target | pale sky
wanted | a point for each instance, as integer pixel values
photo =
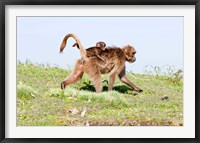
(157, 40)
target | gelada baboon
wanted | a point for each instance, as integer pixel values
(115, 58)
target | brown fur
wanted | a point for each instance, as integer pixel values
(95, 50)
(115, 59)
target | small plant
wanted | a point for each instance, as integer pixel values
(176, 77)
(169, 70)
(155, 70)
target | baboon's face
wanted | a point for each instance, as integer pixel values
(102, 45)
(130, 54)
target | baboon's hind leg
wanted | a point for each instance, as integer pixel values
(75, 76)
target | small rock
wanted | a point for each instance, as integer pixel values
(165, 98)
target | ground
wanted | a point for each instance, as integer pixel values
(41, 102)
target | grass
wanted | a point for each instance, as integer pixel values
(41, 102)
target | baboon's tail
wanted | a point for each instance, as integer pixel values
(63, 44)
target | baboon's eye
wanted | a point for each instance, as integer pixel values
(132, 54)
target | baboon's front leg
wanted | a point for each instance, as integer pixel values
(97, 83)
(125, 80)
(112, 78)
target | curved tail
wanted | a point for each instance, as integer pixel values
(63, 44)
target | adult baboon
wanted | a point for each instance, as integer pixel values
(115, 57)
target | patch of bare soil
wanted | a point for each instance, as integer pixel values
(132, 123)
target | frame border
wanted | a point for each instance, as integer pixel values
(3, 4)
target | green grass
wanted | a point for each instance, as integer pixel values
(41, 102)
